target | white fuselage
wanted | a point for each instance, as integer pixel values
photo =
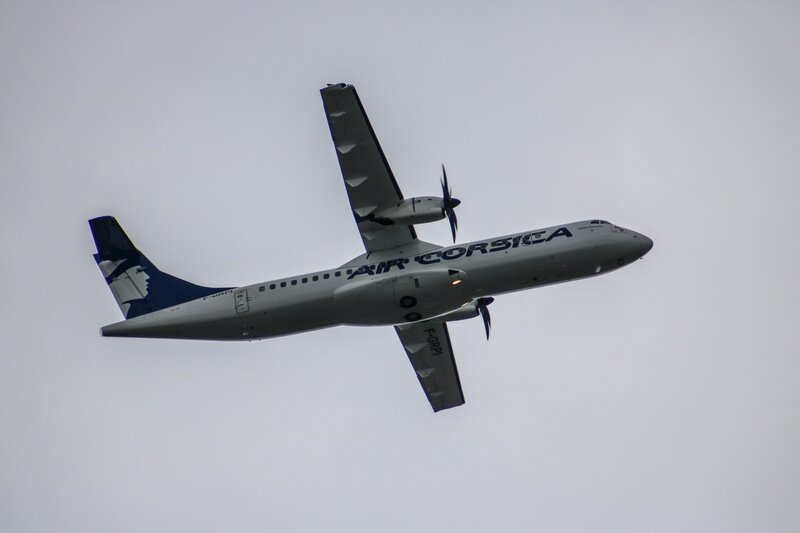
(396, 286)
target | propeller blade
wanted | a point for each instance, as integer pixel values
(449, 204)
(483, 309)
(451, 217)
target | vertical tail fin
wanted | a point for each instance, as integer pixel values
(138, 286)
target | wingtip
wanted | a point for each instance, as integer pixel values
(101, 218)
(333, 87)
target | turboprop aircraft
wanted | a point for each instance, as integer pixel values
(400, 281)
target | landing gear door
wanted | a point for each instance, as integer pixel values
(405, 291)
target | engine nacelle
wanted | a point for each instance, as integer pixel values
(465, 312)
(417, 210)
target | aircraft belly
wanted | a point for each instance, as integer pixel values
(410, 296)
(279, 320)
(228, 318)
(514, 272)
(204, 318)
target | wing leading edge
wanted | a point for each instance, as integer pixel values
(428, 347)
(368, 178)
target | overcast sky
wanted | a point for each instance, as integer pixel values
(662, 397)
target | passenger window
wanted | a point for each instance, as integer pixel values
(283, 283)
(338, 274)
(349, 271)
(305, 280)
(294, 282)
(315, 278)
(271, 286)
(326, 276)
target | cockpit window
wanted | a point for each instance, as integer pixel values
(598, 222)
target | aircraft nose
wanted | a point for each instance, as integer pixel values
(645, 244)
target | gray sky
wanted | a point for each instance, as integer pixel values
(662, 397)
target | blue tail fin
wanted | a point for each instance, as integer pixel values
(138, 286)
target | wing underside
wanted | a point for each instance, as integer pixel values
(368, 178)
(371, 187)
(428, 347)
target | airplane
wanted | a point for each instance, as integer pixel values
(401, 281)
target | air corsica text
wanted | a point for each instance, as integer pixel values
(458, 252)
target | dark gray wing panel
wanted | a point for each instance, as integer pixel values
(428, 347)
(367, 176)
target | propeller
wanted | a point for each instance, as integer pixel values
(449, 204)
(483, 310)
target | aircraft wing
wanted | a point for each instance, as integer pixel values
(428, 347)
(368, 179)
